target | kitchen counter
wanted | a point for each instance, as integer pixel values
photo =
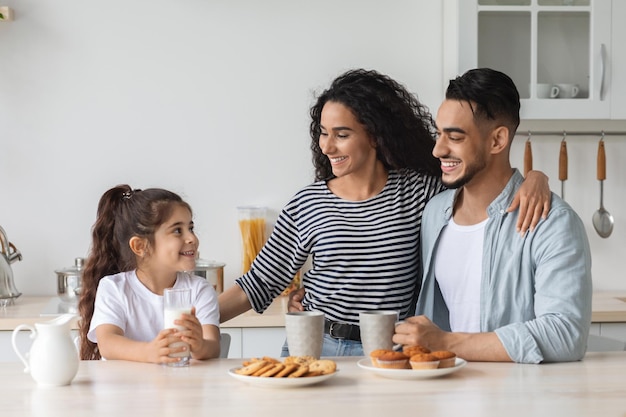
(607, 307)
(30, 310)
(594, 386)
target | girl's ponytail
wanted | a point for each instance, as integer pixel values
(103, 260)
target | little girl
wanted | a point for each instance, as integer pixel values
(141, 242)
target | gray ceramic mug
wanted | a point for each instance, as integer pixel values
(377, 329)
(305, 333)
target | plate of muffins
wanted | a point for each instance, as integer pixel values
(413, 362)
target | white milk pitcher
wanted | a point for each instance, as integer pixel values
(53, 358)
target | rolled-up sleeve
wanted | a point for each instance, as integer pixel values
(562, 294)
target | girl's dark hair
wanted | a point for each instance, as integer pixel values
(492, 96)
(122, 214)
(401, 126)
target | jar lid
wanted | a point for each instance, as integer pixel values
(203, 263)
(73, 270)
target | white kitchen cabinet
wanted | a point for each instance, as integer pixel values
(618, 78)
(614, 331)
(255, 342)
(23, 341)
(543, 44)
(236, 341)
(244, 343)
(263, 341)
(7, 354)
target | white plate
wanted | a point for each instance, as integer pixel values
(411, 373)
(280, 382)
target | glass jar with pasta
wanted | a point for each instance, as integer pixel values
(252, 223)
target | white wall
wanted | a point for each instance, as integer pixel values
(582, 189)
(208, 98)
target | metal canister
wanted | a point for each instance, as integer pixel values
(69, 281)
(212, 271)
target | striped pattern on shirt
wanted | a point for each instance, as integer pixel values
(365, 254)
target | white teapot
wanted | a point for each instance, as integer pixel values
(53, 357)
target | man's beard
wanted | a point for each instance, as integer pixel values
(470, 173)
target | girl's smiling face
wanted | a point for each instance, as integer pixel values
(175, 243)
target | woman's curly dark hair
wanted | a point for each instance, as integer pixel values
(402, 127)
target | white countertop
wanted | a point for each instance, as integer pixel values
(607, 307)
(30, 310)
(594, 386)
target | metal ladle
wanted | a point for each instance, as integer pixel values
(602, 219)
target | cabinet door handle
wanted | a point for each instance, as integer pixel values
(602, 70)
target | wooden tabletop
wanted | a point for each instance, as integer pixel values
(594, 386)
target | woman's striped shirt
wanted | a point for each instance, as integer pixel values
(365, 254)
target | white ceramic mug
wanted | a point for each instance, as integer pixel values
(568, 90)
(177, 301)
(547, 91)
(305, 333)
(377, 329)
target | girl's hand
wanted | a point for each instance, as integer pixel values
(158, 349)
(533, 199)
(193, 331)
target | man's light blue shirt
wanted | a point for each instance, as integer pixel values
(535, 290)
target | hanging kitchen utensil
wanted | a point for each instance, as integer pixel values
(602, 219)
(528, 157)
(563, 166)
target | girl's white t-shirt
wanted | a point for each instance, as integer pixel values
(122, 300)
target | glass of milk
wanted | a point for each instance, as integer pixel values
(177, 301)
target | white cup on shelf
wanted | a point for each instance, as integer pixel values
(545, 90)
(568, 90)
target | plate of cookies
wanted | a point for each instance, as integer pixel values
(413, 362)
(293, 371)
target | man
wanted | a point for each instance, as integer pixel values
(488, 295)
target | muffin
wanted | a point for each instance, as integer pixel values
(446, 358)
(410, 350)
(375, 354)
(424, 361)
(392, 360)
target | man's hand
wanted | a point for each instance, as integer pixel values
(419, 330)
